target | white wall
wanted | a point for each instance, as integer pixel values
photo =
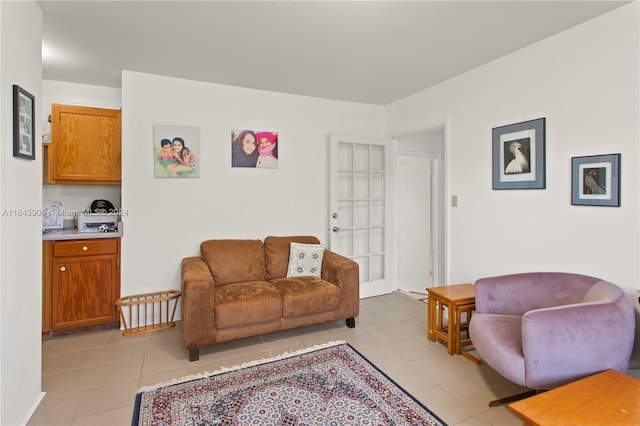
(169, 218)
(62, 92)
(20, 236)
(585, 82)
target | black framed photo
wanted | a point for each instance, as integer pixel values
(519, 155)
(595, 180)
(23, 124)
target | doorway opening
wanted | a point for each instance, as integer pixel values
(420, 212)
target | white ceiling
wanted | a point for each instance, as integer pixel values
(364, 51)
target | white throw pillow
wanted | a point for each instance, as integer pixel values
(305, 260)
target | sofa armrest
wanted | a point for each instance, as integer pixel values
(198, 291)
(566, 342)
(344, 273)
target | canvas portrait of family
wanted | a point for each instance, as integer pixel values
(175, 151)
(254, 148)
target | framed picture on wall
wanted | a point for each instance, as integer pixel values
(519, 155)
(175, 151)
(254, 148)
(23, 124)
(595, 180)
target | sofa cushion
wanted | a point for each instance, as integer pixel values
(307, 295)
(276, 252)
(305, 260)
(248, 303)
(234, 261)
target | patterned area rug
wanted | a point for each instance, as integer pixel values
(329, 384)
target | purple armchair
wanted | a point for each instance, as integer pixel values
(541, 330)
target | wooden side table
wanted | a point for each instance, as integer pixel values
(607, 398)
(457, 299)
(460, 326)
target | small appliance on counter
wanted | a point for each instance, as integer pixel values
(96, 222)
(101, 217)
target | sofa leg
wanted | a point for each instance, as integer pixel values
(351, 322)
(194, 354)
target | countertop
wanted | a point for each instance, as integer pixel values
(74, 234)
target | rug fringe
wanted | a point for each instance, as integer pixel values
(283, 355)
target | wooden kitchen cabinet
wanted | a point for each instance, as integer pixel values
(85, 146)
(81, 282)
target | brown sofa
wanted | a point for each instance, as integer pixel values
(238, 288)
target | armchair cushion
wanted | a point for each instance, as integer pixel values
(502, 345)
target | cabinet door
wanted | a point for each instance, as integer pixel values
(85, 146)
(84, 290)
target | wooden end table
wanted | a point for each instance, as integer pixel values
(457, 299)
(607, 398)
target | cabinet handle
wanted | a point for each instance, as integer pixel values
(62, 268)
(85, 248)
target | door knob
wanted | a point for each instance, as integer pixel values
(62, 268)
(335, 229)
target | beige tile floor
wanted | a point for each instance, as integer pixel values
(92, 379)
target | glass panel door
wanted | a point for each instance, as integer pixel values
(359, 216)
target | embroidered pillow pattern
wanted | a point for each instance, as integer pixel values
(305, 260)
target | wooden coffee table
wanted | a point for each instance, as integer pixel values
(457, 299)
(607, 398)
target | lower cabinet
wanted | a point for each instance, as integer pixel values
(81, 282)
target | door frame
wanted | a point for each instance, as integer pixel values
(441, 274)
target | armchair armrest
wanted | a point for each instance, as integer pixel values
(344, 273)
(565, 342)
(198, 290)
(516, 294)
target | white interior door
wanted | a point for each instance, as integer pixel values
(417, 154)
(414, 200)
(359, 202)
